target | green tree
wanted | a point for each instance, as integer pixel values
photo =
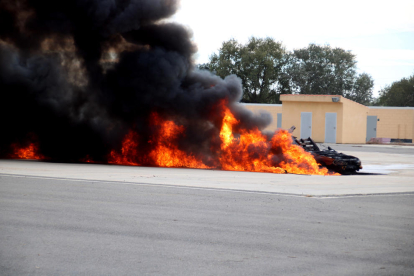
(328, 71)
(362, 89)
(259, 64)
(399, 93)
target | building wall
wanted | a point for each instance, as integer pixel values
(351, 121)
(273, 109)
(394, 122)
(309, 98)
(292, 116)
(354, 122)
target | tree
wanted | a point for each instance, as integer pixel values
(268, 70)
(361, 91)
(328, 71)
(399, 93)
(259, 64)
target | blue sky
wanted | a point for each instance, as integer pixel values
(379, 33)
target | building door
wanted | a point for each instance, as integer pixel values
(371, 127)
(279, 120)
(330, 127)
(305, 125)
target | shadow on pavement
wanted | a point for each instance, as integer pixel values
(368, 173)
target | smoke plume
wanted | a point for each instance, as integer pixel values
(77, 75)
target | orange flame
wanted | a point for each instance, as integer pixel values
(166, 152)
(252, 152)
(29, 152)
(249, 151)
(297, 160)
(244, 153)
(87, 159)
(129, 151)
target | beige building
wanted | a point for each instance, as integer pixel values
(395, 123)
(274, 109)
(335, 119)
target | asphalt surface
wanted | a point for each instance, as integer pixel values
(72, 227)
(90, 219)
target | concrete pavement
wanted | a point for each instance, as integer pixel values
(382, 173)
(80, 227)
(86, 219)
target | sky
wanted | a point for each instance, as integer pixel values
(380, 33)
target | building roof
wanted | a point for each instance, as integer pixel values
(316, 98)
(390, 107)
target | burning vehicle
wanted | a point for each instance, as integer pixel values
(113, 82)
(329, 158)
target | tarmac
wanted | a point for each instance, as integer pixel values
(382, 173)
(90, 219)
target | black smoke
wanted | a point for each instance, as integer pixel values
(77, 75)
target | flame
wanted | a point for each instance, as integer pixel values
(88, 159)
(129, 151)
(235, 148)
(29, 152)
(164, 148)
(296, 159)
(249, 151)
(166, 152)
(252, 152)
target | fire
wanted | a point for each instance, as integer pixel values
(297, 160)
(252, 152)
(249, 150)
(129, 151)
(166, 152)
(237, 149)
(247, 153)
(164, 149)
(29, 152)
(87, 159)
